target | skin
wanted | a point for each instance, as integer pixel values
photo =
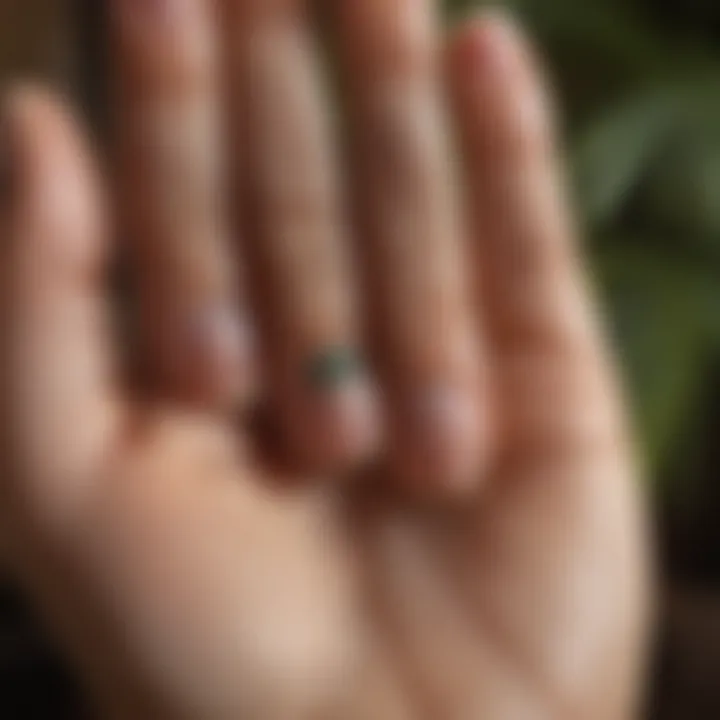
(493, 562)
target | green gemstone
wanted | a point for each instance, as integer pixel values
(333, 367)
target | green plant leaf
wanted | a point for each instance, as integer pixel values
(611, 157)
(662, 314)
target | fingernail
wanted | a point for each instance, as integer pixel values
(341, 406)
(445, 433)
(221, 347)
(346, 421)
(357, 409)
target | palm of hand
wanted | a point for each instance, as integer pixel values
(243, 596)
(253, 599)
(203, 585)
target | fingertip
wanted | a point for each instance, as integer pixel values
(49, 180)
(356, 424)
(211, 359)
(340, 428)
(501, 91)
(490, 42)
(28, 108)
(443, 443)
(485, 31)
(392, 36)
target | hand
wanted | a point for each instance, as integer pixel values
(492, 564)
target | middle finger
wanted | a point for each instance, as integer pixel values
(423, 315)
(298, 252)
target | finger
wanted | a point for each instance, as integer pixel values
(323, 394)
(546, 339)
(59, 406)
(195, 324)
(563, 527)
(426, 331)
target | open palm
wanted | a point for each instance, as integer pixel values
(490, 564)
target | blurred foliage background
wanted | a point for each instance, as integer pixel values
(638, 82)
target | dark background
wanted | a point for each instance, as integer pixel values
(639, 86)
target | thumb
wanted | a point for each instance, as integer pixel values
(57, 407)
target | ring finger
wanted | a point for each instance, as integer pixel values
(298, 248)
